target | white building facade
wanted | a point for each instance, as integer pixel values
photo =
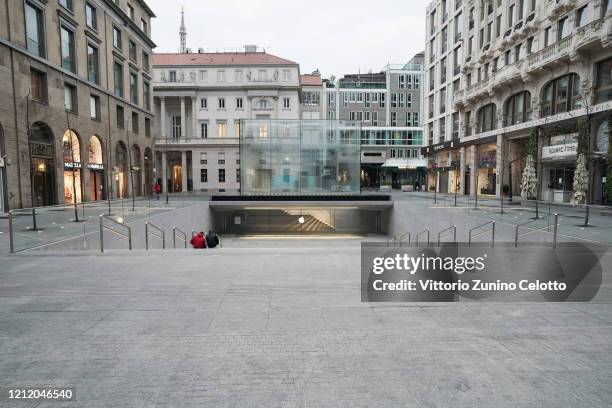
(443, 60)
(536, 79)
(200, 99)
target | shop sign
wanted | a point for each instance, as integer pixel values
(437, 147)
(95, 166)
(72, 166)
(41, 149)
(559, 151)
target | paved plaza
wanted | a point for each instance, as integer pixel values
(277, 322)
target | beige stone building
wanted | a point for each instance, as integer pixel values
(76, 120)
(531, 72)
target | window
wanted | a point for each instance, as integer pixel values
(67, 48)
(144, 27)
(172, 75)
(204, 103)
(442, 100)
(237, 174)
(135, 124)
(35, 37)
(94, 107)
(147, 127)
(221, 128)
(312, 98)
(238, 103)
(548, 39)
(203, 159)
(204, 130)
(118, 79)
(221, 103)
(382, 100)
(486, 118)
(262, 104)
(442, 127)
(517, 108)
(132, 50)
(581, 16)
(146, 64)
(131, 11)
(286, 75)
(221, 175)
(607, 6)
(204, 76)
(93, 64)
(117, 40)
(176, 127)
(563, 29)
(239, 75)
(415, 119)
(603, 87)
(146, 95)
(67, 4)
(70, 99)
(237, 126)
(561, 95)
(38, 85)
(120, 117)
(455, 134)
(286, 103)
(203, 175)
(393, 118)
(91, 17)
(374, 118)
(134, 87)
(220, 76)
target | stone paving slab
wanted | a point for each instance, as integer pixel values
(283, 327)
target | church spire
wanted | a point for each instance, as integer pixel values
(183, 32)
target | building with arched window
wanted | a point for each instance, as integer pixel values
(531, 73)
(78, 82)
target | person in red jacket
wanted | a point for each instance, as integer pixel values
(198, 241)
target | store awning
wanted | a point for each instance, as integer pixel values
(399, 163)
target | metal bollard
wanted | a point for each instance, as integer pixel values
(493, 236)
(11, 242)
(34, 226)
(586, 217)
(555, 230)
(101, 236)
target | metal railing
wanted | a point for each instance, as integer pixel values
(182, 237)
(399, 239)
(121, 234)
(518, 234)
(162, 237)
(445, 232)
(416, 240)
(471, 234)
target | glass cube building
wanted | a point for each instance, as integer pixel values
(299, 157)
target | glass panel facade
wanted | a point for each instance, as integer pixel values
(299, 157)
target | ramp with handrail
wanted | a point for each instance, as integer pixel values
(418, 236)
(446, 232)
(177, 233)
(103, 227)
(157, 233)
(481, 226)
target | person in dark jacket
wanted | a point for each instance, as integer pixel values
(212, 240)
(198, 241)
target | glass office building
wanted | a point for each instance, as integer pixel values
(299, 157)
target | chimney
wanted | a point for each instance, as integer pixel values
(250, 48)
(201, 50)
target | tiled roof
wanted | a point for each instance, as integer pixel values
(311, 80)
(221, 58)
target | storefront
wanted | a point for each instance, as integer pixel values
(95, 168)
(443, 172)
(600, 166)
(486, 178)
(121, 171)
(72, 168)
(42, 159)
(558, 167)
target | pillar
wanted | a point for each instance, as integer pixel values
(500, 155)
(462, 165)
(183, 118)
(163, 130)
(143, 177)
(184, 170)
(451, 172)
(194, 117)
(474, 172)
(164, 171)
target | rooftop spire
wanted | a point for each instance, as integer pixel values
(183, 32)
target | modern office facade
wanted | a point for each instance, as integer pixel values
(535, 73)
(76, 122)
(389, 106)
(443, 60)
(200, 99)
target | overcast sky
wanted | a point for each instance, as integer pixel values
(335, 36)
